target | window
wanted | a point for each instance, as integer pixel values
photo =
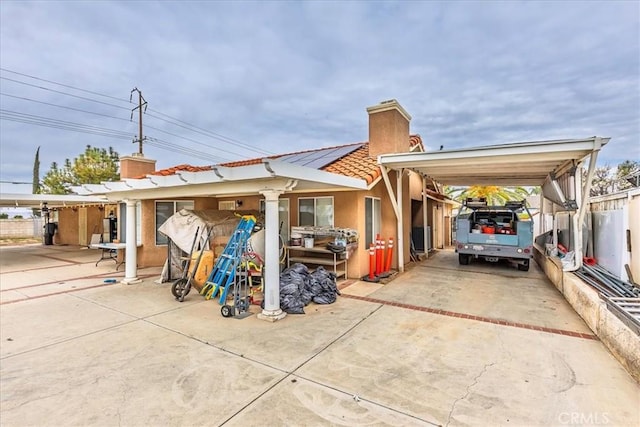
(373, 219)
(164, 210)
(315, 211)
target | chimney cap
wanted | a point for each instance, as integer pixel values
(388, 105)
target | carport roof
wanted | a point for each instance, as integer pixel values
(15, 200)
(522, 163)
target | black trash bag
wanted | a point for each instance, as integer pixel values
(306, 293)
(298, 268)
(291, 304)
(324, 288)
(325, 298)
(292, 281)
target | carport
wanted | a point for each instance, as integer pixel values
(554, 165)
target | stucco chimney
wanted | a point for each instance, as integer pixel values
(136, 166)
(388, 128)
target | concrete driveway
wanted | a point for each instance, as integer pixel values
(439, 345)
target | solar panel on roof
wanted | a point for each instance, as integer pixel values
(319, 158)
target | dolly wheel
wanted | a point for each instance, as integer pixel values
(178, 288)
(226, 311)
(464, 259)
(524, 266)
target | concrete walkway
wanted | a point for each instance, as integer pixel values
(439, 345)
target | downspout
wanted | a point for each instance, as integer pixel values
(579, 219)
(397, 211)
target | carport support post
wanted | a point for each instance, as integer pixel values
(271, 311)
(424, 215)
(131, 251)
(397, 209)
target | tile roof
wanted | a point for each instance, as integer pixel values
(180, 168)
(355, 164)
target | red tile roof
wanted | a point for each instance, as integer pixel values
(356, 164)
(180, 168)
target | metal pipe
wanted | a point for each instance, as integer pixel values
(610, 278)
(608, 283)
(605, 291)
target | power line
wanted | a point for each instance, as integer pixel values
(61, 124)
(122, 119)
(173, 121)
(63, 106)
(205, 132)
(175, 148)
(64, 93)
(63, 85)
(19, 117)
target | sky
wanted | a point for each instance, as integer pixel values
(235, 80)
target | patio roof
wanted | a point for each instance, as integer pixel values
(226, 181)
(516, 164)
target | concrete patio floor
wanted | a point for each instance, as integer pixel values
(442, 344)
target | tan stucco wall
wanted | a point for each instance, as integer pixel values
(68, 232)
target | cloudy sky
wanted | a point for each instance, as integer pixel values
(231, 80)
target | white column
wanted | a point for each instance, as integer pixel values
(424, 215)
(131, 251)
(400, 218)
(271, 311)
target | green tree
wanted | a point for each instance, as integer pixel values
(36, 181)
(91, 167)
(495, 195)
(36, 173)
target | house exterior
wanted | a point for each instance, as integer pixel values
(365, 204)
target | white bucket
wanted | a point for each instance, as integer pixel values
(308, 242)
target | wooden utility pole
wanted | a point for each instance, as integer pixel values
(141, 103)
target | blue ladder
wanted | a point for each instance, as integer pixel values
(224, 271)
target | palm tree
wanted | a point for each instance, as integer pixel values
(494, 194)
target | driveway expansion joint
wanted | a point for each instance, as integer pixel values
(474, 317)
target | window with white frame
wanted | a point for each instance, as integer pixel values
(372, 220)
(164, 210)
(315, 211)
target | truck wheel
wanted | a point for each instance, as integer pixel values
(524, 266)
(464, 259)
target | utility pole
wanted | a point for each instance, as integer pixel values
(141, 103)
